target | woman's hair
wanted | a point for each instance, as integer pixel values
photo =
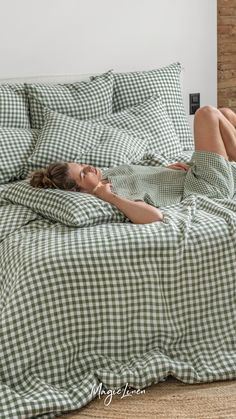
(55, 176)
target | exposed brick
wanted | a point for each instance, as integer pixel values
(226, 49)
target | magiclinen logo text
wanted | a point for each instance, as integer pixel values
(125, 391)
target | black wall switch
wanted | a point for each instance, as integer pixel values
(194, 102)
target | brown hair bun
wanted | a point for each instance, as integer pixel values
(39, 179)
(55, 176)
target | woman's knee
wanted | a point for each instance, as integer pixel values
(206, 124)
(227, 112)
(206, 111)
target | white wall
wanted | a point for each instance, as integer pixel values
(51, 37)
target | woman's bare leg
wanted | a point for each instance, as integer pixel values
(228, 131)
(229, 114)
(214, 132)
(207, 135)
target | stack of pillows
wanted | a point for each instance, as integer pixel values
(112, 119)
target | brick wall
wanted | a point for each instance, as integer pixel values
(227, 53)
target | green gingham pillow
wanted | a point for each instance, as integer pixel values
(75, 209)
(83, 100)
(16, 144)
(133, 88)
(68, 139)
(14, 108)
(149, 121)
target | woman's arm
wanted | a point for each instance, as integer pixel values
(138, 212)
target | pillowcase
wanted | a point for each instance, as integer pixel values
(83, 100)
(16, 145)
(68, 139)
(133, 88)
(149, 121)
(14, 108)
(74, 209)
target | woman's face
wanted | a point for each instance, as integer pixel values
(86, 176)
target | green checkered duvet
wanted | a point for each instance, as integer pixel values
(114, 303)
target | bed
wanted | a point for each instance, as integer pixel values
(109, 301)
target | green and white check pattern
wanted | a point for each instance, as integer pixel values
(150, 121)
(114, 303)
(16, 145)
(14, 108)
(70, 208)
(133, 88)
(209, 175)
(83, 100)
(13, 217)
(158, 186)
(68, 139)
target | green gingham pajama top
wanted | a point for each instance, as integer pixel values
(210, 174)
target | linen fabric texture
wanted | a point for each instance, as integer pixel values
(67, 139)
(209, 175)
(133, 88)
(109, 141)
(74, 209)
(14, 108)
(114, 303)
(83, 100)
(148, 120)
(16, 145)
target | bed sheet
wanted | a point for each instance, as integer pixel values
(115, 304)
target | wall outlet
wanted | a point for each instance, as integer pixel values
(194, 102)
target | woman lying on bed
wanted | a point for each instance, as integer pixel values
(137, 190)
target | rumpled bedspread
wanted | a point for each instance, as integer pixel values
(114, 304)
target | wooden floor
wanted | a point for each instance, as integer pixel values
(171, 399)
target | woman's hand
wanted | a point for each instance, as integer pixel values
(138, 212)
(103, 191)
(179, 166)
